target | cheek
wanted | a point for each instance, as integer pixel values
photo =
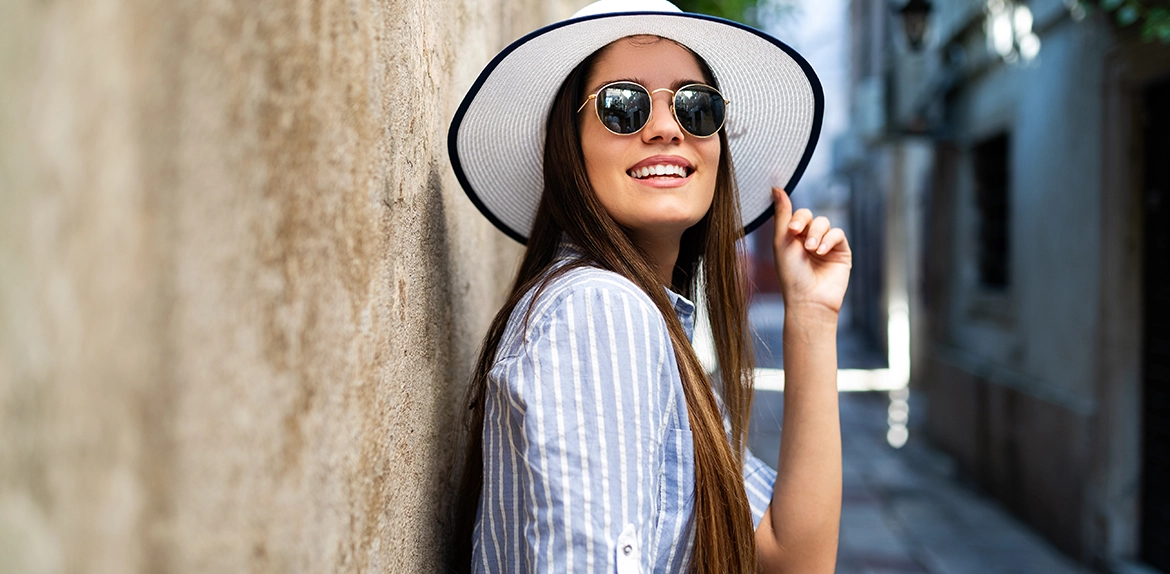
(711, 155)
(711, 149)
(595, 152)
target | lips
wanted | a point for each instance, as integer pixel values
(661, 167)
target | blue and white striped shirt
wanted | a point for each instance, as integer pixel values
(587, 451)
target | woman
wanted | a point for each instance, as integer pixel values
(597, 442)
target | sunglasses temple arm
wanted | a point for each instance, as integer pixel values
(591, 97)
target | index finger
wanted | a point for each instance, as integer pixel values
(783, 206)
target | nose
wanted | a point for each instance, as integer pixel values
(662, 127)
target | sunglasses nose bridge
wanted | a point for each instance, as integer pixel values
(669, 91)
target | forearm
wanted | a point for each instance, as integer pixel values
(806, 500)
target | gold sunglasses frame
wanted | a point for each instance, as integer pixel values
(673, 113)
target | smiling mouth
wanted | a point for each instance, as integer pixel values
(661, 171)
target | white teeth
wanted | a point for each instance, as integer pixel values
(662, 169)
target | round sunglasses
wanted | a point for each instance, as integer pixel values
(624, 108)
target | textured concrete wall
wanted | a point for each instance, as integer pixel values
(239, 286)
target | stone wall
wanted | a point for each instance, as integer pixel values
(240, 289)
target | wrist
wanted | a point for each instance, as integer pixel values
(811, 314)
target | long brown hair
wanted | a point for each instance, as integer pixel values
(724, 537)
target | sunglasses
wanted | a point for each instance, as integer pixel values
(624, 108)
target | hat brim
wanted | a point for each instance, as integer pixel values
(496, 139)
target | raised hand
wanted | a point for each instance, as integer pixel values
(813, 258)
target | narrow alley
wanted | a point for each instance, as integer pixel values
(907, 510)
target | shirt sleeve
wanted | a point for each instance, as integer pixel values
(590, 377)
(758, 480)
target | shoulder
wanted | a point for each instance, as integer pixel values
(579, 300)
(590, 281)
(584, 292)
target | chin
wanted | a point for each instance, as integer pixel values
(670, 225)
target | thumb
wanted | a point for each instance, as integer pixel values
(783, 206)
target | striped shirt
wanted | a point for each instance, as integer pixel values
(587, 452)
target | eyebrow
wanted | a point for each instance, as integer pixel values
(673, 87)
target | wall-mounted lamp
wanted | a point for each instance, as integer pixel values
(1008, 28)
(915, 15)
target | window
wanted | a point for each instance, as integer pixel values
(992, 198)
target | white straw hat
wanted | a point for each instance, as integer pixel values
(497, 144)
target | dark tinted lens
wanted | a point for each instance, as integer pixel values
(623, 108)
(699, 110)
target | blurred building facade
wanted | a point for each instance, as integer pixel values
(1014, 173)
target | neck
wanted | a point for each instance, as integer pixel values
(662, 252)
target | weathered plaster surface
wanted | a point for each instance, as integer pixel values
(240, 289)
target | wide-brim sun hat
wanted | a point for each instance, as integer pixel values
(496, 140)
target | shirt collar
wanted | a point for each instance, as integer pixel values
(685, 311)
(567, 250)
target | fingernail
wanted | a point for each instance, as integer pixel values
(811, 243)
(823, 249)
(794, 227)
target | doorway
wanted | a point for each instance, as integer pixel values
(1155, 506)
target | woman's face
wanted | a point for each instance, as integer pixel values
(657, 206)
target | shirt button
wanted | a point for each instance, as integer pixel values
(626, 551)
